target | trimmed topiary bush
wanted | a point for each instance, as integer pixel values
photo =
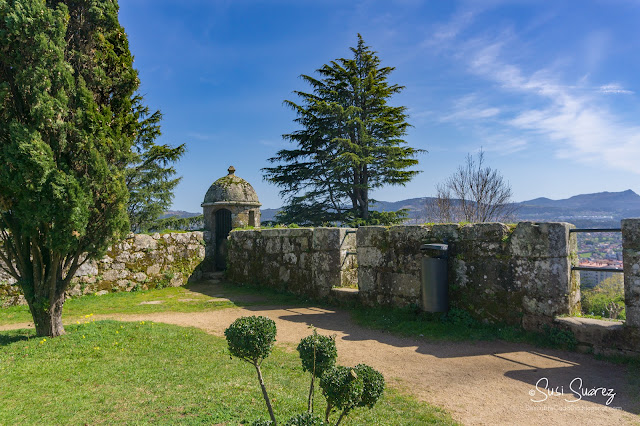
(347, 388)
(318, 354)
(343, 390)
(373, 385)
(251, 339)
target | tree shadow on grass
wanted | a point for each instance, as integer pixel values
(9, 338)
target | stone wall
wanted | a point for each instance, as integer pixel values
(306, 261)
(138, 262)
(514, 274)
(631, 264)
(517, 275)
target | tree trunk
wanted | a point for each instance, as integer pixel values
(264, 393)
(47, 316)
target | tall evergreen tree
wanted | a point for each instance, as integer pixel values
(66, 130)
(351, 142)
(150, 175)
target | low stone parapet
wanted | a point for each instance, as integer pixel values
(140, 261)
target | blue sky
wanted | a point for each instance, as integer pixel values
(549, 89)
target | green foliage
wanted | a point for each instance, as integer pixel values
(251, 338)
(605, 300)
(373, 385)
(176, 223)
(380, 218)
(262, 422)
(150, 173)
(350, 142)
(459, 317)
(342, 388)
(66, 130)
(165, 281)
(305, 419)
(318, 353)
(560, 338)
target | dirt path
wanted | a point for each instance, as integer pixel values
(483, 383)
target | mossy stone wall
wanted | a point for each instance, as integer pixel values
(305, 261)
(499, 273)
(631, 264)
(138, 262)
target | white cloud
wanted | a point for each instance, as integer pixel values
(576, 120)
(471, 107)
(615, 89)
(451, 29)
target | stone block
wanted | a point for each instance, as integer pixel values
(631, 233)
(88, 268)
(153, 269)
(544, 277)
(491, 232)
(273, 244)
(327, 239)
(367, 279)
(541, 240)
(139, 276)
(144, 242)
(371, 257)
(177, 280)
(372, 236)
(286, 245)
(407, 286)
(284, 274)
(633, 316)
(323, 281)
(111, 275)
(325, 261)
(124, 257)
(181, 238)
(290, 258)
(445, 232)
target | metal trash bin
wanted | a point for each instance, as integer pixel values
(435, 285)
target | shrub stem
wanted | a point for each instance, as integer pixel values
(264, 393)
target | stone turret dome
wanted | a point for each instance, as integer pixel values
(231, 189)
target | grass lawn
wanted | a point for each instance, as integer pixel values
(115, 372)
(173, 299)
(457, 325)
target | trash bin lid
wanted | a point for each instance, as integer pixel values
(441, 247)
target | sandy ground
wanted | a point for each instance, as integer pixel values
(481, 383)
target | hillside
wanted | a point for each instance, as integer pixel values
(601, 209)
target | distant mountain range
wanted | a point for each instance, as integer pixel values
(588, 210)
(602, 209)
(179, 213)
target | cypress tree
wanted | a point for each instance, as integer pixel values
(66, 130)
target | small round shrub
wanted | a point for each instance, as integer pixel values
(251, 338)
(342, 387)
(305, 419)
(373, 385)
(325, 353)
